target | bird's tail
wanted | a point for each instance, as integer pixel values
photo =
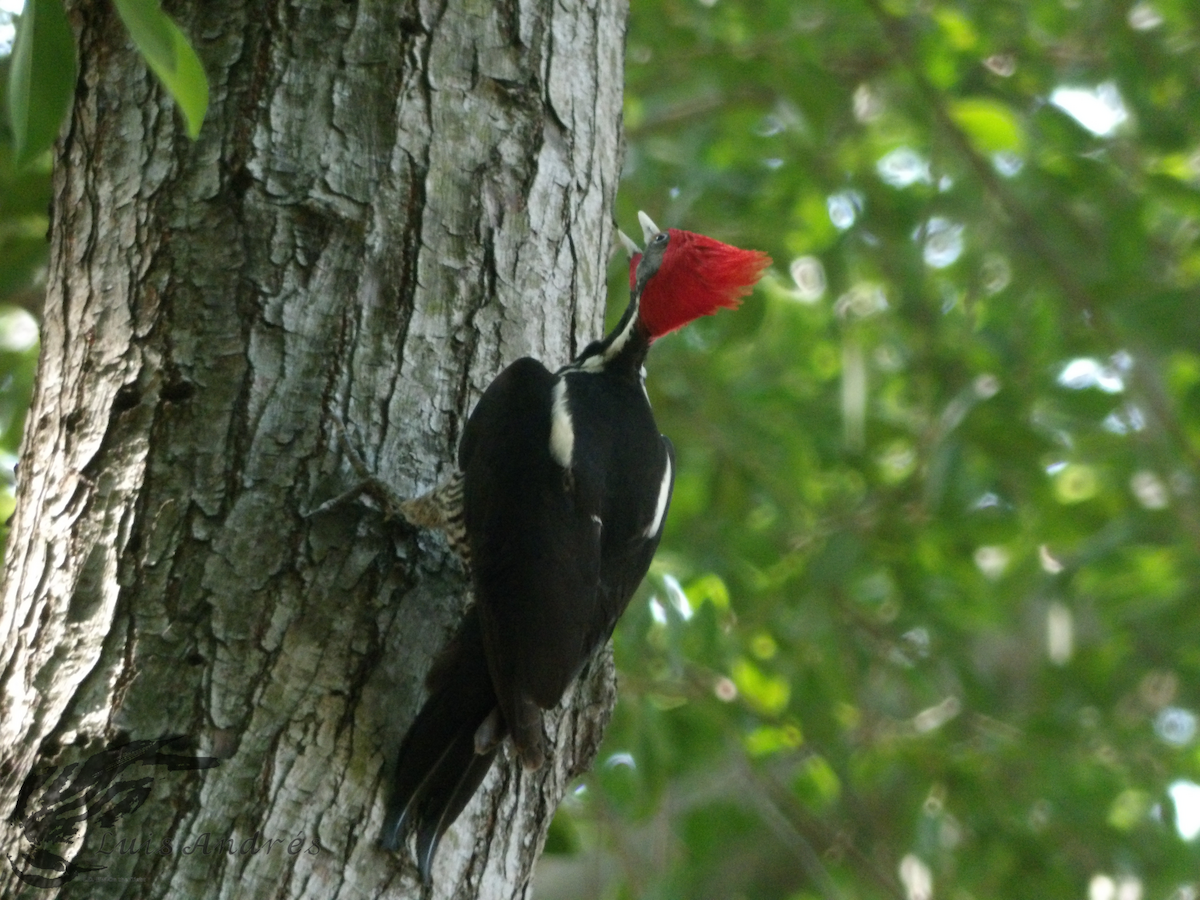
(438, 768)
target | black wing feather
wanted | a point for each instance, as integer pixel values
(535, 549)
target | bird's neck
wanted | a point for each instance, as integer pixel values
(622, 353)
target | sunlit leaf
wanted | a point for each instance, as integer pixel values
(708, 589)
(772, 739)
(957, 28)
(990, 126)
(151, 31)
(767, 693)
(170, 56)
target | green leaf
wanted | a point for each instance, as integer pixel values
(170, 57)
(41, 78)
(958, 30)
(768, 694)
(150, 29)
(990, 126)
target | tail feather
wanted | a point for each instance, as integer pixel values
(411, 792)
(430, 828)
(437, 768)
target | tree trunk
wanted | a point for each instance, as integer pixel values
(388, 203)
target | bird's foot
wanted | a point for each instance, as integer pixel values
(526, 731)
(489, 733)
(391, 503)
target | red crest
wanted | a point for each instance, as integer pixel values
(698, 276)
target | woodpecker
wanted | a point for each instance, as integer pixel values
(557, 507)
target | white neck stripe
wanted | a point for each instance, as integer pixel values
(562, 429)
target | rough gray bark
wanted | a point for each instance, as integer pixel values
(388, 203)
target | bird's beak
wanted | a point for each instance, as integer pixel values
(649, 229)
(627, 242)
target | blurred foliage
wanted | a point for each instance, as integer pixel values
(924, 619)
(24, 221)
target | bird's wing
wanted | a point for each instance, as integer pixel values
(626, 557)
(535, 548)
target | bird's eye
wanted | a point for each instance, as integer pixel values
(660, 238)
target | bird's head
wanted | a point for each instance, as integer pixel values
(683, 275)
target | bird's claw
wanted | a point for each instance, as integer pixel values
(391, 503)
